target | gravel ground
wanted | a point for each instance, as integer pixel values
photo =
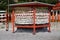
(27, 35)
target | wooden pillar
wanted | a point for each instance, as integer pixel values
(34, 18)
(6, 21)
(56, 15)
(49, 25)
(53, 17)
(12, 20)
(49, 29)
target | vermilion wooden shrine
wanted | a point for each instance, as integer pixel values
(56, 9)
(35, 15)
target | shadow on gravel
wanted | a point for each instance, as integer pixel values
(27, 30)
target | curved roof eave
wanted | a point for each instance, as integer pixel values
(31, 3)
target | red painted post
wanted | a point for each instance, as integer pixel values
(58, 17)
(6, 21)
(12, 20)
(34, 26)
(49, 29)
(53, 18)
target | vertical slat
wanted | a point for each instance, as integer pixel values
(58, 17)
(6, 21)
(53, 18)
(34, 17)
(49, 23)
(12, 20)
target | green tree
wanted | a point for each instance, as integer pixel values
(4, 3)
(45, 1)
(48, 1)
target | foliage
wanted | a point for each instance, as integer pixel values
(45, 1)
(4, 3)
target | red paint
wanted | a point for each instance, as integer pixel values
(34, 26)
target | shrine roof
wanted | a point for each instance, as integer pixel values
(57, 7)
(41, 4)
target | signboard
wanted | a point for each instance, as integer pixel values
(24, 15)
